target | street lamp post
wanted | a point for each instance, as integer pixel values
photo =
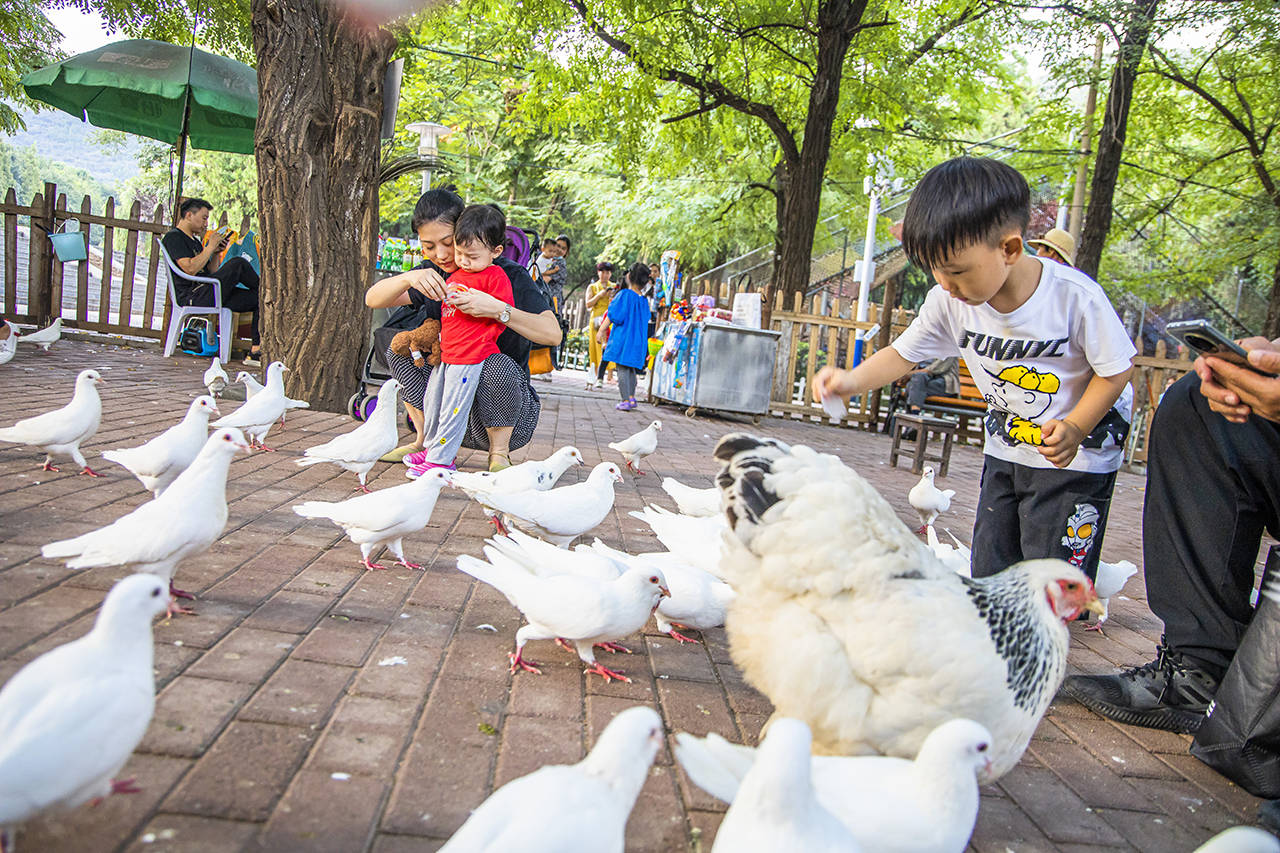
(429, 134)
(880, 183)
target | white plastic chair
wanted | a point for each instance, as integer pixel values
(226, 327)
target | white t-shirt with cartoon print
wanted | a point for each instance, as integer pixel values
(1032, 364)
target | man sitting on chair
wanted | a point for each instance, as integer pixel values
(239, 280)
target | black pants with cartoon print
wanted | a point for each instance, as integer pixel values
(1030, 513)
(1213, 487)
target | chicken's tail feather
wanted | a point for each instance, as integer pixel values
(746, 460)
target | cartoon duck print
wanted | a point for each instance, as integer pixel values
(1019, 395)
(1081, 525)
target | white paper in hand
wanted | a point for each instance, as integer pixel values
(834, 406)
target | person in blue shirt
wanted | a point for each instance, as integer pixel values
(627, 330)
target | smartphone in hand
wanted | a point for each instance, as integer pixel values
(1204, 339)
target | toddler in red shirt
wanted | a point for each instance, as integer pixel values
(465, 341)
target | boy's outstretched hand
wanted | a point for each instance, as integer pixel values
(1061, 441)
(831, 382)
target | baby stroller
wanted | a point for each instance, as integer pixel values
(374, 370)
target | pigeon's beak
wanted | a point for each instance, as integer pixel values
(241, 446)
(665, 591)
(215, 409)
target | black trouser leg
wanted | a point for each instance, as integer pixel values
(922, 385)
(1031, 513)
(996, 541)
(1212, 486)
(601, 370)
(238, 271)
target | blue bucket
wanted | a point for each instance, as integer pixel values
(68, 243)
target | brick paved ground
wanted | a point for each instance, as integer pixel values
(314, 706)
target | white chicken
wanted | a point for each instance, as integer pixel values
(846, 620)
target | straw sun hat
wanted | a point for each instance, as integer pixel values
(1059, 241)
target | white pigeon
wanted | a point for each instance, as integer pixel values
(383, 517)
(61, 432)
(183, 521)
(258, 414)
(698, 599)
(583, 611)
(534, 475)
(957, 557)
(636, 447)
(890, 805)
(546, 560)
(215, 378)
(1111, 579)
(46, 337)
(251, 384)
(158, 463)
(928, 500)
(695, 540)
(570, 808)
(358, 450)
(70, 719)
(776, 809)
(8, 346)
(559, 515)
(691, 501)
(1241, 839)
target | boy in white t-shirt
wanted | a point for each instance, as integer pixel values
(1043, 344)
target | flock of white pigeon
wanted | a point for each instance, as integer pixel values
(900, 683)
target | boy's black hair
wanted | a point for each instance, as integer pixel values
(565, 239)
(548, 241)
(483, 223)
(438, 205)
(961, 202)
(604, 265)
(192, 205)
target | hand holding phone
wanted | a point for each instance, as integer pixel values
(1204, 339)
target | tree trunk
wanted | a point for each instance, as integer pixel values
(317, 146)
(800, 180)
(1097, 219)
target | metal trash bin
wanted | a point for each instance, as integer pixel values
(715, 367)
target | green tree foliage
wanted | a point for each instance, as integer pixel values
(26, 171)
(26, 43)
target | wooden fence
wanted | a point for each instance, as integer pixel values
(123, 293)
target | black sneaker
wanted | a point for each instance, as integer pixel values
(1165, 694)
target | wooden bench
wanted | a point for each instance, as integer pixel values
(968, 407)
(923, 426)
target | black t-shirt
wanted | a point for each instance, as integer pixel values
(525, 295)
(179, 245)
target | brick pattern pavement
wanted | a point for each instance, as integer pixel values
(315, 706)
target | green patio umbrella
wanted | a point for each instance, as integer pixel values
(159, 90)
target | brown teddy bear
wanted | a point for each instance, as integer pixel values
(415, 342)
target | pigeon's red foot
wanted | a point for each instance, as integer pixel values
(175, 607)
(520, 663)
(371, 566)
(564, 644)
(49, 466)
(125, 786)
(1096, 626)
(614, 647)
(605, 673)
(366, 489)
(498, 525)
(91, 472)
(180, 593)
(407, 564)
(680, 638)
(268, 449)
